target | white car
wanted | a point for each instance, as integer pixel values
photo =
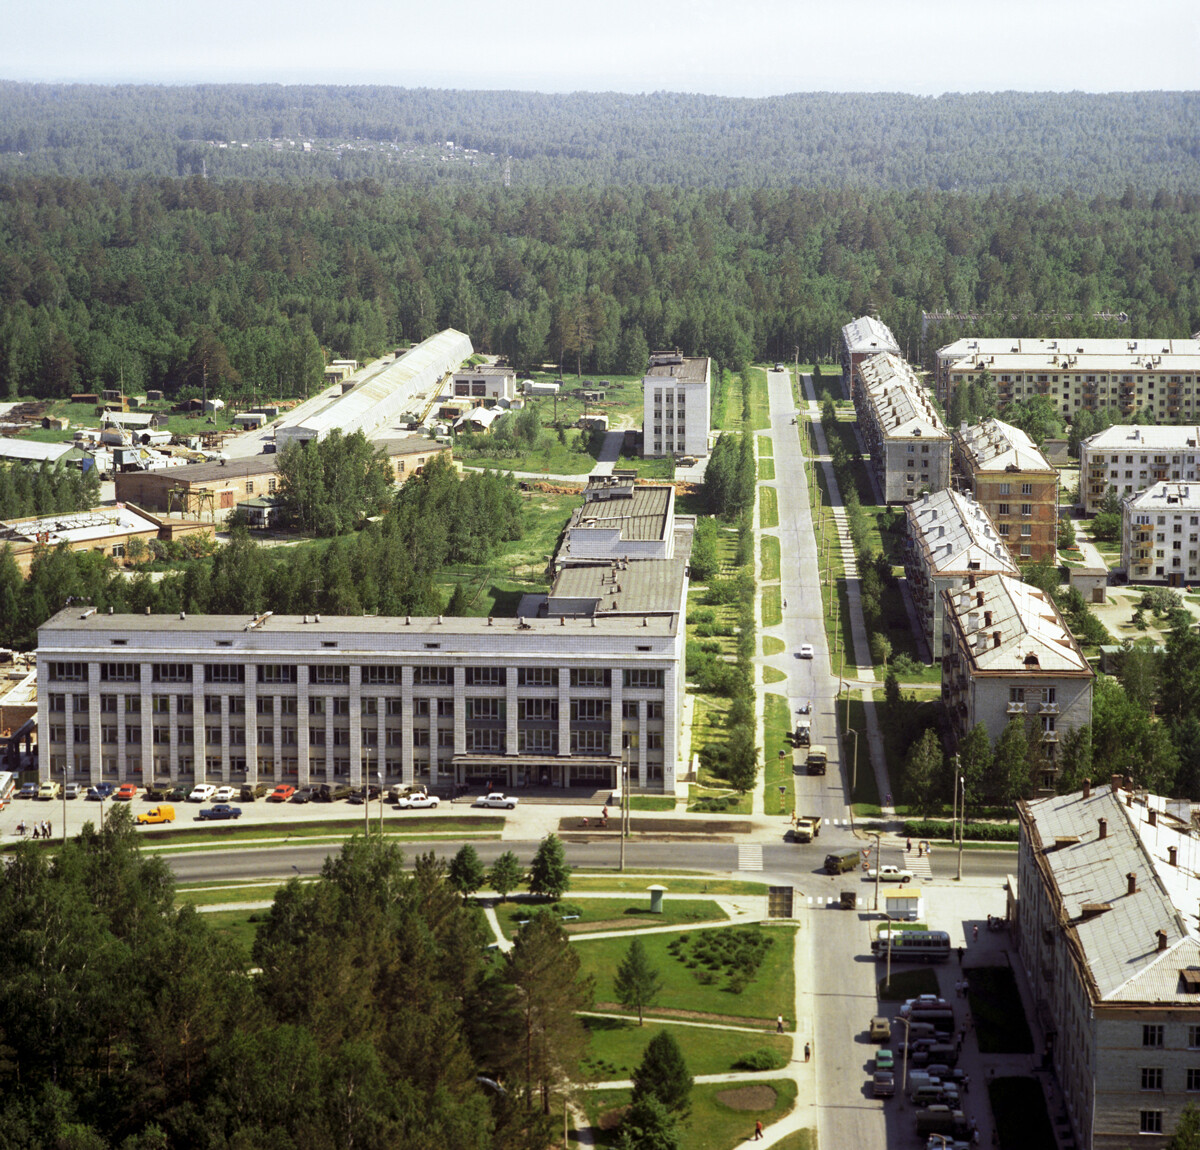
(495, 799)
(225, 794)
(806, 650)
(416, 802)
(201, 793)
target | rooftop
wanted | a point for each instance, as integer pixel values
(867, 334)
(640, 512)
(683, 368)
(1123, 437)
(1117, 937)
(31, 451)
(956, 535)
(1014, 628)
(1166, 497)
(901, 404)
(75, 527)
(1044, 352)
(640, 587)
(996, 446)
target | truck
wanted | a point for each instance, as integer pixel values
(808, 827)
(942, 1120)
(817, 757)
(803, 735)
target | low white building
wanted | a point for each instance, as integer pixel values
(1128, 459)
(675, 404)
(1160, 534)
(484, 383)
(620, 520)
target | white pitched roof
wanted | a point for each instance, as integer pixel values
(901, 404)
(31, 451)
(867, 334)
(957, 535)
(996, 446)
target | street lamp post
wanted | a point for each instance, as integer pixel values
(379, 776)
(962, 810)
(904, 1076)
(366, 774)
(64, 798)
(624, 802)
(876, 835)
(854, 771)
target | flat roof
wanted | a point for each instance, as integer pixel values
(1124, 437)
(641, 516)
(1166, 497)
(32, 451)
(685, 369)
(867, 334)
(997, 446)
(1131, 350)
(75, 526)
(957, 536)
(651, 586)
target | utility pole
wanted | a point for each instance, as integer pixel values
(962, 810)
(624, 802)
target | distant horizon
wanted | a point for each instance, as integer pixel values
(698, 47)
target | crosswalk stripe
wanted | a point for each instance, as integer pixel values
(750, 856)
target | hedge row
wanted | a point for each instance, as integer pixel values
(978, 832)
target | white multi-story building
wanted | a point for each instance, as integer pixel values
(1128, 459)
(588, 673)
(1155, 375)
(911, 451)
(861, 339)
(1160, 534)
(675, 404)
(1105, 924)
(950, 538)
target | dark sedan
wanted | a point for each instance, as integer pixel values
(221, 811)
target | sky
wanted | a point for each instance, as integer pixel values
(719, 47)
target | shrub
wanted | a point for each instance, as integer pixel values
(760, 1059)
(975, 832)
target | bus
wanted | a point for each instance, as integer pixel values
(912, 946)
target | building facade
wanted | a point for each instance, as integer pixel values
(484, 384)
(863, 338)
(675, 404)
(1105, 927)
(1014, 483)
(950, 539)
(1160, 534)
(1161, 376)
(910, 449)
(1128, 459)
(1009, 655)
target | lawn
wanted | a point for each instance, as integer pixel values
(766, 447)
(777, 727)
(767, 993)
(760, 403)
(712, 1125)
(614, 913)
(617, 1047)
(770, 559)
(679, 884)
(249, 835)
(997, 1011)
(651, 802)
(770, 675)
(773, 646)
(242, 893)
(766, 470)
(241, 926)
(907, 984)
(772, 606)
(833, 583)
(867, 791)
(1019, 1107)
(768, 507)
(801, 1140)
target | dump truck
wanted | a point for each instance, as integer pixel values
(808, 827)
(817, 757)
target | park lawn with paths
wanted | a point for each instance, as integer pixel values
(997, 1011)
(628, 913)
(1019, 1109)
(675, 881)
(769, 993)
(799, 1140)
(769, 552)
(766, 447)
(773, 646)
(779, 772)
(766, 470)
(760, 402)
(549, 457)
(768, 508)
(772, 606)
(733, 802)
(771, 676)
(833, 570)
(907, 984)
(617, 1046)
(712, 1125)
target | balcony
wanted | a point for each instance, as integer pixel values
(1048, 709)
(1017, 709)
(1049, 736)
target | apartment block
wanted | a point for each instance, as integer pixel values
(675, 404)
(910, 449)
(1014, 482)
(1153, 375)
(1105, 926)
(1128, 459)
(950, 539)
(863, 338)
(1160, 534)
(1009, 655)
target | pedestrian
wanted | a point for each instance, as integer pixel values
(975, 933)
(758, 1130)
(21, 828)
(920, 850)
(958, 989)
(807, 1052)
(49, 830)
(888, 801)
(989, 922)
(604, 811)
(975, 1137)
(779, 1024)
(489, 786)
(908, 846)
(960, 956)
(966, 1083)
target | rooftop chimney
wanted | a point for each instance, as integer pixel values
(1104, 828)
(1116, 783)
(1153, 817)
(1087, 788)
(1173, 855)
(1161, 935)
(1131, 880)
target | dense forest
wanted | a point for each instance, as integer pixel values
(1051, 142)
(151, 286)
(376, 1017)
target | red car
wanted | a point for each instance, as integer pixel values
(124, 793)
(281, 793)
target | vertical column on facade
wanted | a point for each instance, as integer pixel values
(642, 742)
(302, 726)
(460, 710)
(434, 749)
(43, 715)
(277, 737)
(225, 737)
(381, 734)
(406, 725)
(122, 723)
(94, 752)
(616, 718)
(250, 695)
(145, 694)
(564, 721)
(674, 683)
(199, 740)
(69, 737)
(358, 776)
(173, 735)
(512, 742)
(329, 738)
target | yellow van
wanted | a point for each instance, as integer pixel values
(159, 814)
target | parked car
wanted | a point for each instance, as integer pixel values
(358, 798)
(305, 795)
(221, 811)
(49, 790)
(202, 792)
(124, 793)
(883, 1084)
(333, 792)
(881, 1029)
(496, 799)
(890, 873)
(100, 792)
(71, 791)
(884, 1058)
(251, 792)
(281, 793)
(177, 794)
(156, 792)
(923, 1001)
(163, 813)
(419, 802)
(224, 794)
(28, 791)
